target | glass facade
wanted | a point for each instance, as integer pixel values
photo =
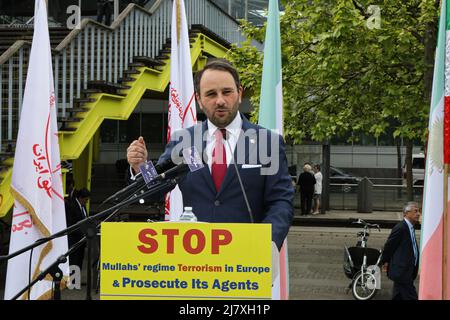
(151, 126)
(251, 10)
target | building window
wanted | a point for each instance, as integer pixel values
(152, 126)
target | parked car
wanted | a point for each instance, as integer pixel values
(340, 176)
(418, 169)
(345, 180)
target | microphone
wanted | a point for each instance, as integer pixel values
(167, 169)
(173, 173)
(139, 182)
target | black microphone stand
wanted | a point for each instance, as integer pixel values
(54, 271)
(89, 226)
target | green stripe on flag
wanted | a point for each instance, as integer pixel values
(439, 64)
(271, 77)
(446, 5)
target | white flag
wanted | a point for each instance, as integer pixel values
(182, 109)
(36, 179)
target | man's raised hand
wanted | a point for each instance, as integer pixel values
(137, 154)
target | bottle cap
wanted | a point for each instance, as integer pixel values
(187, 208)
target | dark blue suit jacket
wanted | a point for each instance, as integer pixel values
(270, 196)
(398, 252)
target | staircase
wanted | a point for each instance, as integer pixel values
(102, 73)
(8, 36)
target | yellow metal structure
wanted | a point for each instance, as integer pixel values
(81, 145)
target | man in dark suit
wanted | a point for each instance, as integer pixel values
(214, 191)
(76, 211)
(306, 182)
(105, 9)
(400, 257)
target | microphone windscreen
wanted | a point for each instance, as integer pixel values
(164, 165)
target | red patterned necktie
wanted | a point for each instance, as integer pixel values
(219, 159)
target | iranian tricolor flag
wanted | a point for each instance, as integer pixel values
(271, 117)
(434, 279)
(182, 109)
(36, 179)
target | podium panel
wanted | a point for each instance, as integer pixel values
(169, 260)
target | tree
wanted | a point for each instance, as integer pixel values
(350, 67)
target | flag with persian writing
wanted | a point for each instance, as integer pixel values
(36, 179)
(182, 110)
(271, 117)
(431, 270)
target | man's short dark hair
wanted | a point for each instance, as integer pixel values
(83, 193)
(217, 64)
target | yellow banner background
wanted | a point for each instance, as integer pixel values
(131, 268)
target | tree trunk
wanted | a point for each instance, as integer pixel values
(409, 175)
(430, 39)
(399, 165)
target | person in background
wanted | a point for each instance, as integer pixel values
(306, 182)
(70, 188)
(317, 189)
(400, 256)
(104, 9)
(75, 212)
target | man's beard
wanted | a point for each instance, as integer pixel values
(222, 122)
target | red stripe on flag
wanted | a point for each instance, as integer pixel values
(430, 286)
(447, 130)
(167, 207)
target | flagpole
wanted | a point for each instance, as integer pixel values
(445, 234)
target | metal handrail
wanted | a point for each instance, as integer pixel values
(94, 51)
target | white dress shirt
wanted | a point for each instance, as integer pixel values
(233, 132)
(413, 238)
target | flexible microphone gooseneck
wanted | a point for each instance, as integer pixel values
(250, 212)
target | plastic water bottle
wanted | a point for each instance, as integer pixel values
(188, 215)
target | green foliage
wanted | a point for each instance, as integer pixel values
(340, 74)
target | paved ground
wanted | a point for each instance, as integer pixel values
(316, 263)
(315, 256)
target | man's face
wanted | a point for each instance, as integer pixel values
(413, 215)
(219, 97)
(83, 201)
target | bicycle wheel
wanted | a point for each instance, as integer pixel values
(364, 286)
